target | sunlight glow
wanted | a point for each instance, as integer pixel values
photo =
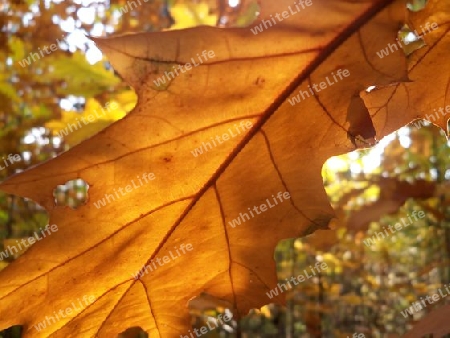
(370, 163)
(56, 141)
(26, 155)
(404, 138)
(67, 25)
(93, 55)
(336, 163)
(355, 168)
(86, 15)
(36, 135)
(410, 37)
(372, 160)
(28, 139)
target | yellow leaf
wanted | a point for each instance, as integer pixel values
(75, 127)
(191, 15)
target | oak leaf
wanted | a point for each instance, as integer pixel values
(193, 199)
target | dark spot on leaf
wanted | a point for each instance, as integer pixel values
(358, 117)
(260, 80)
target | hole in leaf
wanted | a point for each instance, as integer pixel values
(133, 332)
(211, 315)
(15, 331)
(238, 13)
(416, 5)
(72, 194)
(389, 247)
(390, 233)
(360, 127)
(411, 40)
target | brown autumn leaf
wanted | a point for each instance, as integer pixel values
(393, 194)
(193, 198)
(426, 95)
(436, 323)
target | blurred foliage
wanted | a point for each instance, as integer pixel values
(366, 287)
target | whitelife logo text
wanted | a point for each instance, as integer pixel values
(300, 278)
(183, 68)
(53, 47)
(323, 85)
(146, 177)
(166, 259)
(263, 207)
(90, 118)
(49, 320)
(433, 117)
(11, 159)
(244, 125)
(420, 305)
(285, 14)
(398, 226)
(28, 241)
(392, 47)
